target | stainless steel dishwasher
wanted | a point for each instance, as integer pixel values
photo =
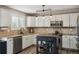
(17, 44)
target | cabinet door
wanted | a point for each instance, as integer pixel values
(46, 21)
(52, 18)
(25, 42)
(37, 23)
(41, 20)
(10, 46)
(34, 39)
(65, 18)
(65, 41)
(31, 22)
(30, 40)
(58, 17)
(73, 19)
(73, 42)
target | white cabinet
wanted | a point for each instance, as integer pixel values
(10, 46)
(73, 19)
(34, 39)
(37, 21)
(69, 41)
(65, 41)
(42, 21)
(46, 21)
(73, 42)
(52, 18)
(27, 41)
(65, 18)
(58, 17)
(31, 21)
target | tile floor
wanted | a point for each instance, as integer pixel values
(32, 50)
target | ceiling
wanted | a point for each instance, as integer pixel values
(34, 8)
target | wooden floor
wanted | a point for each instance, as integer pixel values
(32, 50)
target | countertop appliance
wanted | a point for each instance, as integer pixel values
(17, 44)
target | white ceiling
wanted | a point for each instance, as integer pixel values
(33, 8)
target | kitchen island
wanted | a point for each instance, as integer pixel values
(48, 44)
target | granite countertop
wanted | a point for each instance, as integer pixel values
(50, 35)
(9, 36)
(45, 34)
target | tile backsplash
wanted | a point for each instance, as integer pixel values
(41, 31)
(52, 30)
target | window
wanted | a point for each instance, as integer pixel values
(17, 22)
(22, 22)
(14, 22)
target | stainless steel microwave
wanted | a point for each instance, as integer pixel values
(56, 23)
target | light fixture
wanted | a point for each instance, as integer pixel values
(44, 12)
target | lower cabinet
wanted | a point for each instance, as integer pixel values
(73, 42)
(7, 45)
(34, 39)
(10, 46)
(16, 44)
(28, 41)
(65, 42)
(69, 42)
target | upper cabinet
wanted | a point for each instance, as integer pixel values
(43, 21)
(65, 18)
(73, 19)
(52, 18)
(31, 21)
(46, 21)
(58, 17)
(39, 21)
(70, 20)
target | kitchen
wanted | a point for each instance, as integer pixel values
(23, 26)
